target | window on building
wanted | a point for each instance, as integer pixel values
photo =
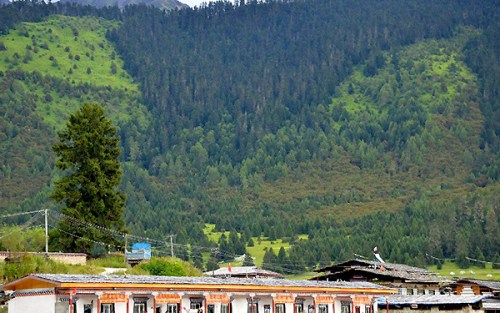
(345, 307)
(357, 309)
(108, 308)
(368, 309)
(299, 308)
(87, 308)
(196, 303)
(267, 308)
(140, 307)
(172, 308)
(323, 308)
(211, 308)
(279, 308)
(255, 307)
(224, 308)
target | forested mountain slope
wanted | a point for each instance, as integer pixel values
(344, 120)
(48, 70)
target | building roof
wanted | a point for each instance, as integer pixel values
(491, 304)
(490, 284)
(382, 273)
(357, 263)
(429, 299)
(86, 281)
(373, 270)
(251, 271)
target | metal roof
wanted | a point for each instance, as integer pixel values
(357, 263)
(242, 271)
(430, 299)
(407, 276)
(491, 304)
(135, 279)
(491, 284)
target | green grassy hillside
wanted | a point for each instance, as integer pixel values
(75, 51)
(48, 70)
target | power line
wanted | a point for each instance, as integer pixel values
(481, 261)
(434, 258)
(158, 242)
(19, 214)
(85, 238)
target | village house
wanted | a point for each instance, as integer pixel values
(408, 280)
(467, 286)
(57, 293)
(420, 290)
(449, 303)
(242, 272)
(490, 290)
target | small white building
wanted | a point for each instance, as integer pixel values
(54, 293)
(242, 272)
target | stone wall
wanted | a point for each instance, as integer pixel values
(67, 258)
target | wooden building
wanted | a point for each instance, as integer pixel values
(476, 287)
(53, 293)
(409, 280)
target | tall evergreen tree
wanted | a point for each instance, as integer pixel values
(248, 261)
(283, 259)
(269, 261)
(87, 153)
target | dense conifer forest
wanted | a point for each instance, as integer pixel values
(357, 123)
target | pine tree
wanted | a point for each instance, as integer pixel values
(212, 264)
(87, 153)
(248, 261)
(269, 261)
(283, 259)
(496, 261)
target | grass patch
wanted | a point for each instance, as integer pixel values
(71, 62)
(450, 269)
(73, 48)
(213, 235)
(257, 251)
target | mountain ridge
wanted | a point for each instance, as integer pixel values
(160, 4)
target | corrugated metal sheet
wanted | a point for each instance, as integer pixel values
(430, 299)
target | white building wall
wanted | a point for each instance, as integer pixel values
(240, 305)
(121, 307)
(84, 299)
(32, 304)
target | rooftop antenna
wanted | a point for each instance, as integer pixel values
(359, 256)
(377, 256)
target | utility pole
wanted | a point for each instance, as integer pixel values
(125, 252)
(172, 245)
(46, 232)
